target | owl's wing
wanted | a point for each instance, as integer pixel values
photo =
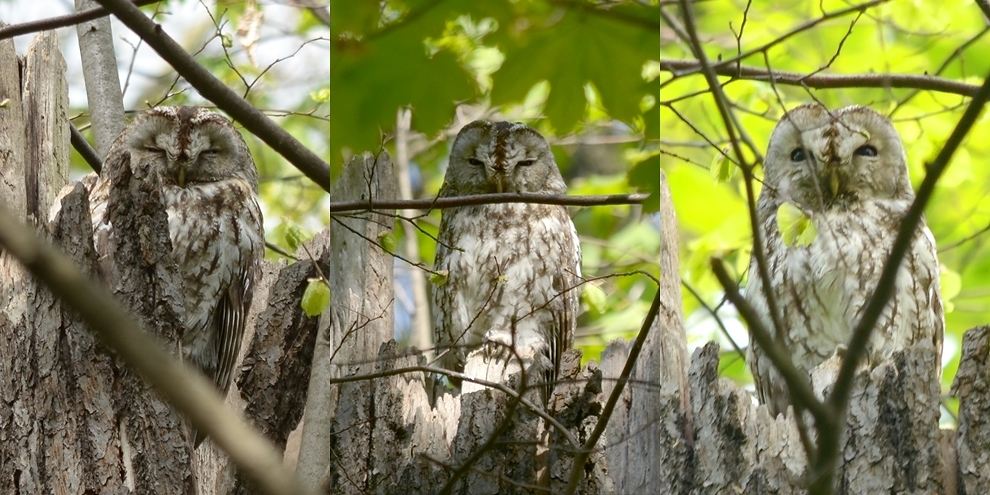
(229, 319)
(566, 319)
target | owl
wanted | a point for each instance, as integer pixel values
(512, 268)
(209, 187)
(845, 172)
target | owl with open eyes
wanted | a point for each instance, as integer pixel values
(209, 187)
(845, 171)
(512, 269)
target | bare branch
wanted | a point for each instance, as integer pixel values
(85, 150)
(183, 387)
(216, 91)
(821, 81)
(582, 455)
(60, 21)
(482, 199)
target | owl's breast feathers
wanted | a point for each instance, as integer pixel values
(511, 269)
(822, 288)
(215, 251)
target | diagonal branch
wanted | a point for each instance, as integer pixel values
(581, 457)
(183, 387)
(216, 91)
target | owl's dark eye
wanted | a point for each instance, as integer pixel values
(211, 152)
(526, 163)
(153, 149)
(798, 155)
(476, 162)
(866, 150)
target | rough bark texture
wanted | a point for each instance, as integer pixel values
(972, 387)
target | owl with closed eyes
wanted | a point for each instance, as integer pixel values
(512, 269)
(846, 172)
(209, 187)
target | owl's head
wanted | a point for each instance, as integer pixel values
(822, 159)
(490, 157)
(188, 146)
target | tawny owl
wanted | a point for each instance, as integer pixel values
(512, 268)
(209, 187)
(846, 172)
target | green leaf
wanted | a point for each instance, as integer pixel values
(294, 236)
(316, 297)
(439, 278)
(796, 227)
(321, 96)
(594, 298)
(722, 169)
(950, 284)
(372, 77)
(387, 241)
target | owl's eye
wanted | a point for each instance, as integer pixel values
(798, 155)
(866, 150)
(526, 163)
(153, 149)
(210, 152)
(476, 162)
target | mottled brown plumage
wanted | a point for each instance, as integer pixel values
(512, 268)
(847, 172)
(209, 187)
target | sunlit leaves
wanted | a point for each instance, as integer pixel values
(316, 297)
(796, 227)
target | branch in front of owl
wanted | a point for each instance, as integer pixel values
(180, 385)
(802, 396)
(620, 384)
(839, 398)
(223, 97)
(483, 199)
(797, 382)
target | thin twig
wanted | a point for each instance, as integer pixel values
(577, 468)
(822, 81)
(482, 199)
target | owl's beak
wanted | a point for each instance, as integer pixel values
(499, 178)
(833, 181)
(181, 178)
